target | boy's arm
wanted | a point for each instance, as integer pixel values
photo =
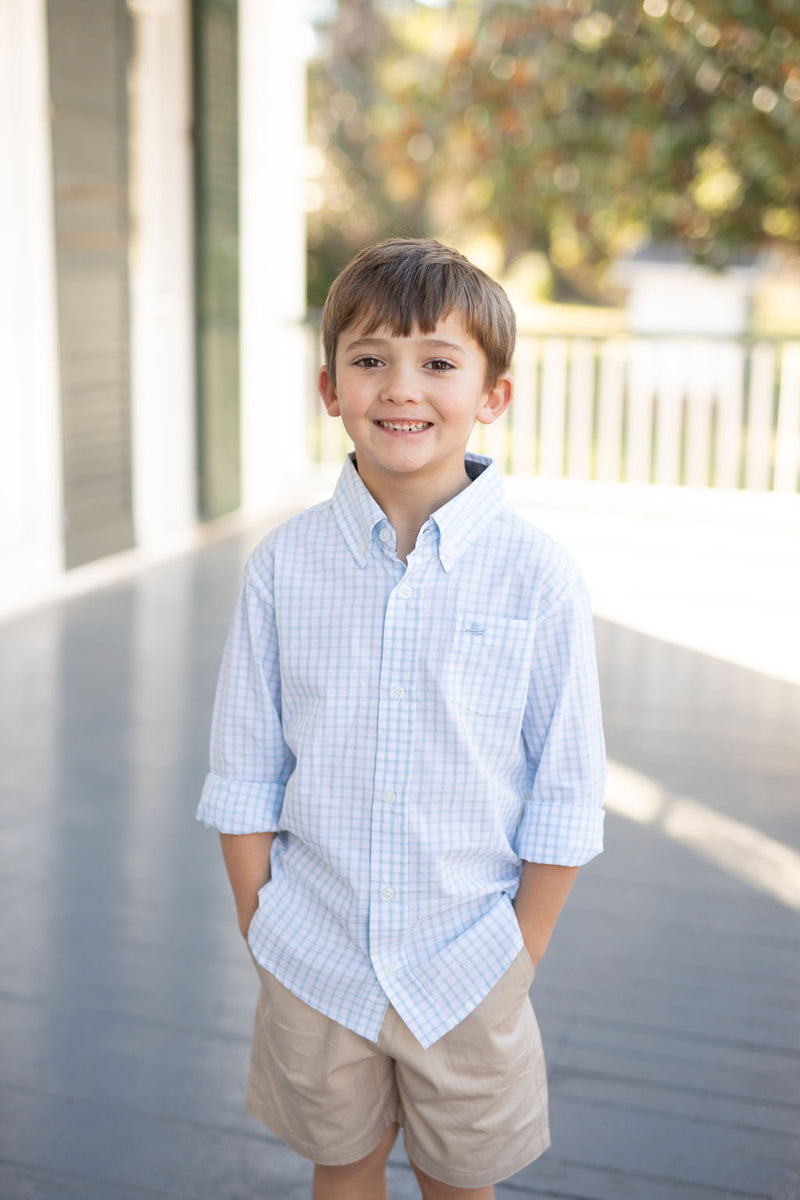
(561, 824)
(543, 889)
(247, 863)
(250, 761)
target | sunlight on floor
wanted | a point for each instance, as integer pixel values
(739, 849)
(716, 572)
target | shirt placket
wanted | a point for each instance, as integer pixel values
(389, 853)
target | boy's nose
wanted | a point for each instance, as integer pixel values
(401, 386)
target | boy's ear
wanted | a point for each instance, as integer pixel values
(327, 390)
(497, 400)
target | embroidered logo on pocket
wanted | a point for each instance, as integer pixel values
(488, 668)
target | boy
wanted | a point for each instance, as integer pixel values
(407, 757)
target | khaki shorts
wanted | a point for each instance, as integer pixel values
(473, 1106)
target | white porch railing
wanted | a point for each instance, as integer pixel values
(673, 411)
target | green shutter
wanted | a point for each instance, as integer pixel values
(88, 57)
(217, 253)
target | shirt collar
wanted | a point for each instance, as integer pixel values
(356, 513)
(458, 523)
(464, 518)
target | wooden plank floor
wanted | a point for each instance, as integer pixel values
(669, 1001)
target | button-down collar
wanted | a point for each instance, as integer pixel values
(356, 513)
(458, 523)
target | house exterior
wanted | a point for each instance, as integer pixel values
(152, 251)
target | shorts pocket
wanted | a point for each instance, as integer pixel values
(256, 915)
(488, 668)
(526, 962)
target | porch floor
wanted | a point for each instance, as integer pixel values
(669, 1000)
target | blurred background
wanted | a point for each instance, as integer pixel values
(183, 178)
(180, 180)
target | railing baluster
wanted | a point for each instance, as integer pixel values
(554, 386)
(698, 420)
(523, 408)
(610, 405)
(759, 417)
(787, 434)
(639, 423)
(580, 410)
(670, 392)
(730, 398)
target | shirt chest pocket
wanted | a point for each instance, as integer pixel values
(489, 664)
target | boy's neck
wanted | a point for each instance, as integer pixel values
(409, 502)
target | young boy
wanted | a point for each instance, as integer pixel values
(407, 757)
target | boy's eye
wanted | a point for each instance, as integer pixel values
(440, 364)
(368, 362)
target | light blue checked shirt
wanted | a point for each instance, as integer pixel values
(412, 733)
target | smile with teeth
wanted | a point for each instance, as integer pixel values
(405, 426)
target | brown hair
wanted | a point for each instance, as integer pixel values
(405, 283)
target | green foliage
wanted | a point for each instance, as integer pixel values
(582, 129)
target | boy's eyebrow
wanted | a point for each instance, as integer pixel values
(432, 343)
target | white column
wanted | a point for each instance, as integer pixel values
(274, 404)
(161, 272)
(31, 555)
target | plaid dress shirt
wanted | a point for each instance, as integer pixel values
(412, 733)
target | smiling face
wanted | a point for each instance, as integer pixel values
(409, 403)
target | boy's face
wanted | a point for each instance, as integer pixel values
(409, 403)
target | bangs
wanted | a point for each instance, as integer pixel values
(408, 284)
(406, 296)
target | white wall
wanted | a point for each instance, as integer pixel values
(681, 297)
(161, 272)
(30, 458)
(272, 264)
(272, 251)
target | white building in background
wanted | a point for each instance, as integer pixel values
(152, 276)
(667, 294)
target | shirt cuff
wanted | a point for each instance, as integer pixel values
(565, 835)
(240, 806)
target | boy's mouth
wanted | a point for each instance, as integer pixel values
(405, 426)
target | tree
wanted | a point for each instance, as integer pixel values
(365, 110)
(584, 128)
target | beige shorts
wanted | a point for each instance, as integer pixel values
(473, 1106)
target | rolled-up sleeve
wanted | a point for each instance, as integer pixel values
(250, 761)
(562, 818)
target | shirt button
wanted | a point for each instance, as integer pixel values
(397, 693)
(385, 535)
(362, 547)
(388, 893)
(390, 969)
(390, 798)
(405, 592)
